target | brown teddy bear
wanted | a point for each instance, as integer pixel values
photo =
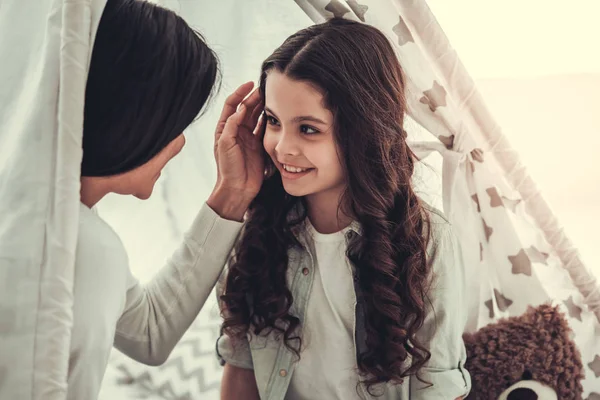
(530, 357)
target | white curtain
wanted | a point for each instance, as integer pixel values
(45, 47)
(516, 251)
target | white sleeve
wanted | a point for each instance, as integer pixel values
(158, 314)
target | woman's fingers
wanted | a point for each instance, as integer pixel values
(255, 106)
(253, 99)
(232, 126)
(231, 105)
(258, 130)
(234, 99)
(252, 119)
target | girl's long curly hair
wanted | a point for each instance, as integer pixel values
(356, 69)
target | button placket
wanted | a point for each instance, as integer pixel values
(280, 380)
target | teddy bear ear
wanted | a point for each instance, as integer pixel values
(528, 390)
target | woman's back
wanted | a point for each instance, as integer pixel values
(102, 278)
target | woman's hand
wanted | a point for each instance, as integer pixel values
(239, 154)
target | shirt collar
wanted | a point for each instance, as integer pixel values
(354, 228)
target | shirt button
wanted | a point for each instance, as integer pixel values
(305, 271)
(283, 373)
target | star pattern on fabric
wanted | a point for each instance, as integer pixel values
(337, 8)
(575, 312)
(521, 264)
(476, 200)
(537, 256)
(402, 32)
(501, 201)
(358, 9)
(477, 155)
(472, 165)
(502, 302)
(448, 141)
(593, 396)
(595, 366)
(511, 204)
(434, 97)
(495, 199)
(488, 230)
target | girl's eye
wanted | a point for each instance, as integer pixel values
(272, 121)
(308, 130)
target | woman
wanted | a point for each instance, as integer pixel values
(150, 76)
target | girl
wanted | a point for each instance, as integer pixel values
(344, 284)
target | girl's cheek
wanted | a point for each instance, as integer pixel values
(269, 142)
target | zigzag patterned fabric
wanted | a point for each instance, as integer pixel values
(191, 372)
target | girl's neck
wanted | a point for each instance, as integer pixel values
(325, 213)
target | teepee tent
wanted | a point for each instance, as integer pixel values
(515, 248)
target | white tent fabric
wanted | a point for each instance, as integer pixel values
(45, 47)
(518, 252)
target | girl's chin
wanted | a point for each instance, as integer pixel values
(295, 190)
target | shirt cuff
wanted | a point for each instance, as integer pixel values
(445, 383)
(238, 356)
(211, 232)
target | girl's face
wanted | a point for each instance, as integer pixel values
(299, 138)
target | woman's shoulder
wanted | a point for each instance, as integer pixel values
(96, 238)
(101, 280)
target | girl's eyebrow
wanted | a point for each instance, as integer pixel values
(308, 118)
(300, 118)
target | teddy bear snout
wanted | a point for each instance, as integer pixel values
(522, 394)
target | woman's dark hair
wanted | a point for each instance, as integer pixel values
(356, 69)
(150, 76)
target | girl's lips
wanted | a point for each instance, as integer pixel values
(294, 175)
